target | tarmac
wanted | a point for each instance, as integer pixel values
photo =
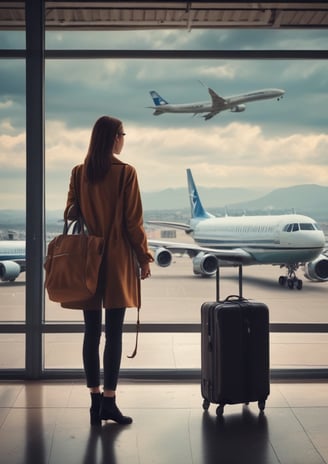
(173, 295)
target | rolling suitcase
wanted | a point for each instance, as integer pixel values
(234, 351)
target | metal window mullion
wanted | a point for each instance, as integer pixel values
(188, 54)
(35, 229)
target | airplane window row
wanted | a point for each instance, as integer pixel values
(303, 226)
(255, 228)
(14, 251)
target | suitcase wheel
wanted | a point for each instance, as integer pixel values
(206, 404)
(219, 410)
(261, 405)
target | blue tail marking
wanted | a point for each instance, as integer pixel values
(197, 209)
(157, 99)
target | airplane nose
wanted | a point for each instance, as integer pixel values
(319, 239)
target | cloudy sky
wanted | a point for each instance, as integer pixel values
(271, 144)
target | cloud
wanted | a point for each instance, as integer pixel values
(269, 145)
(239, 155)
(12, 151)
(6, 104)
(236, 155)
(226, 71)
(65, 146)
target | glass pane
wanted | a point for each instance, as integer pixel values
(63, 351)
(189, 40)
(182, 351)
(12, 190)
(12, 40)
(172, 351)
(298, 351)
(12, 351)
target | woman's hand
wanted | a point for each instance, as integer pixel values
(145, 271)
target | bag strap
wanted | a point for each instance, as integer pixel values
(76, 225)
(134, 353)
(138, 323)
(76, 190)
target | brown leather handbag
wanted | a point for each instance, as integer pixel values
(73, 261)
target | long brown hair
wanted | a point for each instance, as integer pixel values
(98, 159)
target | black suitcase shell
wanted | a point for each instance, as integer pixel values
(234, 351)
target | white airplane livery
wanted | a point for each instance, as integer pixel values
(12, 259)
(289, 240)
(235, 103)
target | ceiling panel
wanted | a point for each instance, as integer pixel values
(113, 15)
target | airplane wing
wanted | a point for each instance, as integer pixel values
(157, 111)
(218, 103)
(174, 225)
(235, 255)
(210, 115)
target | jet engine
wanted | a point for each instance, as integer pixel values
(9, 270)
(205, 264)
(238, 108)
(317, 269)
(163, 257)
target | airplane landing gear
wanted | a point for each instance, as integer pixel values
(290, 280)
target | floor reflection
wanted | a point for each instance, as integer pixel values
(101, 444)
(241, 437)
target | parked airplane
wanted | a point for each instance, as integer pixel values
(235, 103)
(289, 240)
(12, 259)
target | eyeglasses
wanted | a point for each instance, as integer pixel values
(121, 134)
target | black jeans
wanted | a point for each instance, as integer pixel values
(113, 346)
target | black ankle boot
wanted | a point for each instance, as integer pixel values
(95, 409)
(109, 411)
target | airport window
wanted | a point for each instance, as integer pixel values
(232, 147)
(178, 284)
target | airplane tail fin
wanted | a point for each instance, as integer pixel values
(197, 209)
(157, 99)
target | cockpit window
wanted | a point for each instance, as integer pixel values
(307, 226)
(303, 226)
(287, 228)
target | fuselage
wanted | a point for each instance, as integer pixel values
(268, 239)
(229, 102)
(12, 250)
(254, 96)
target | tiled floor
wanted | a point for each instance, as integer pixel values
(47, 422)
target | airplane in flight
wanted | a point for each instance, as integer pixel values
(235, 103)
(12, 259)
(289, 241)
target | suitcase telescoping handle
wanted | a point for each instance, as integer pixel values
(240, 282)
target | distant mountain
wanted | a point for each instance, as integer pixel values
(308, 199)
(211, 197)
(12, 217)
(304, 199)
(173, 204)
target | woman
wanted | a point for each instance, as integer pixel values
(109, 199)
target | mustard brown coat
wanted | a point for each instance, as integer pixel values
(112, 209)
